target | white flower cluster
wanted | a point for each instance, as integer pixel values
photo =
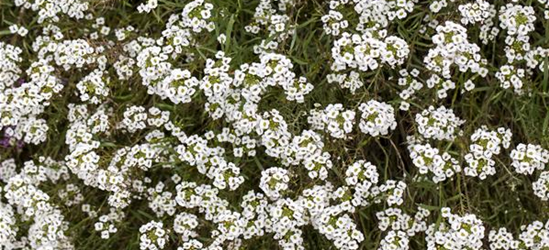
(338, 227)
(369, 14)
(541, 186)
(32, 131)
(410, 81)
(307, 149)
(361, 172)
(455, 232)
(528, 158)
(334, 120)
(160, 201)
(47, 227)
(483, 13)
(430, 160)
(49, 10)
(210, 162)
(502, 239)
(363, 53)
(21, 106)
(377, 118)
(148, 6)
(93, 87)
(20, 30)
(453, 48)
(439, 124)
(274, 181)
(511, 77)
(437, 5)
(400, 227)
(71, 195)
(517, 20)
(184, 224)
(533, 236)
(8, 226)
(137, 118)
(484, 145)
(9, 62)
(106, 224)
(275, 22)
(153, 236)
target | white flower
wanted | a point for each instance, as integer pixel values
(377, 118)
(274, 181)
(455, 232)
(334, 119)
(484, 145)
(430, 160)
(152, 236)
(541, 186)
(147, 7)
(439, 124)
(528, 158)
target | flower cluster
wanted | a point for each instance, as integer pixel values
(410, 81)
(274, 181)
(517, 19)
(518, 22)
(153, 236)
(339, 227)
(334, 120)
(368, 15)
(274, 21)
(50, 10)
(455, 232)
(532, 236)
(484, 145)
(147, 7)
(376, 118)
(541, 186)
(307, 149)
(483, 13)
(438, 124)
(511, 77)
(47, 225)
(354, 53)
(453, 48)
(430, 160)
(400, 227)
(528, 158)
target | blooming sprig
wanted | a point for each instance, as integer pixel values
(361, 173)
(274, 181)
(541, 186)
(512, 77)
(153, 236)
(184, 224)
(484, 145)
(440, 123)
(453, 48)
(529, 157)
(337, 226)
(483, 13)
(455, 232)
(517, 20)
(377, 118)
(430, 160)
(334, 119)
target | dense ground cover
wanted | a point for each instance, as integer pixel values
(265, 124)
